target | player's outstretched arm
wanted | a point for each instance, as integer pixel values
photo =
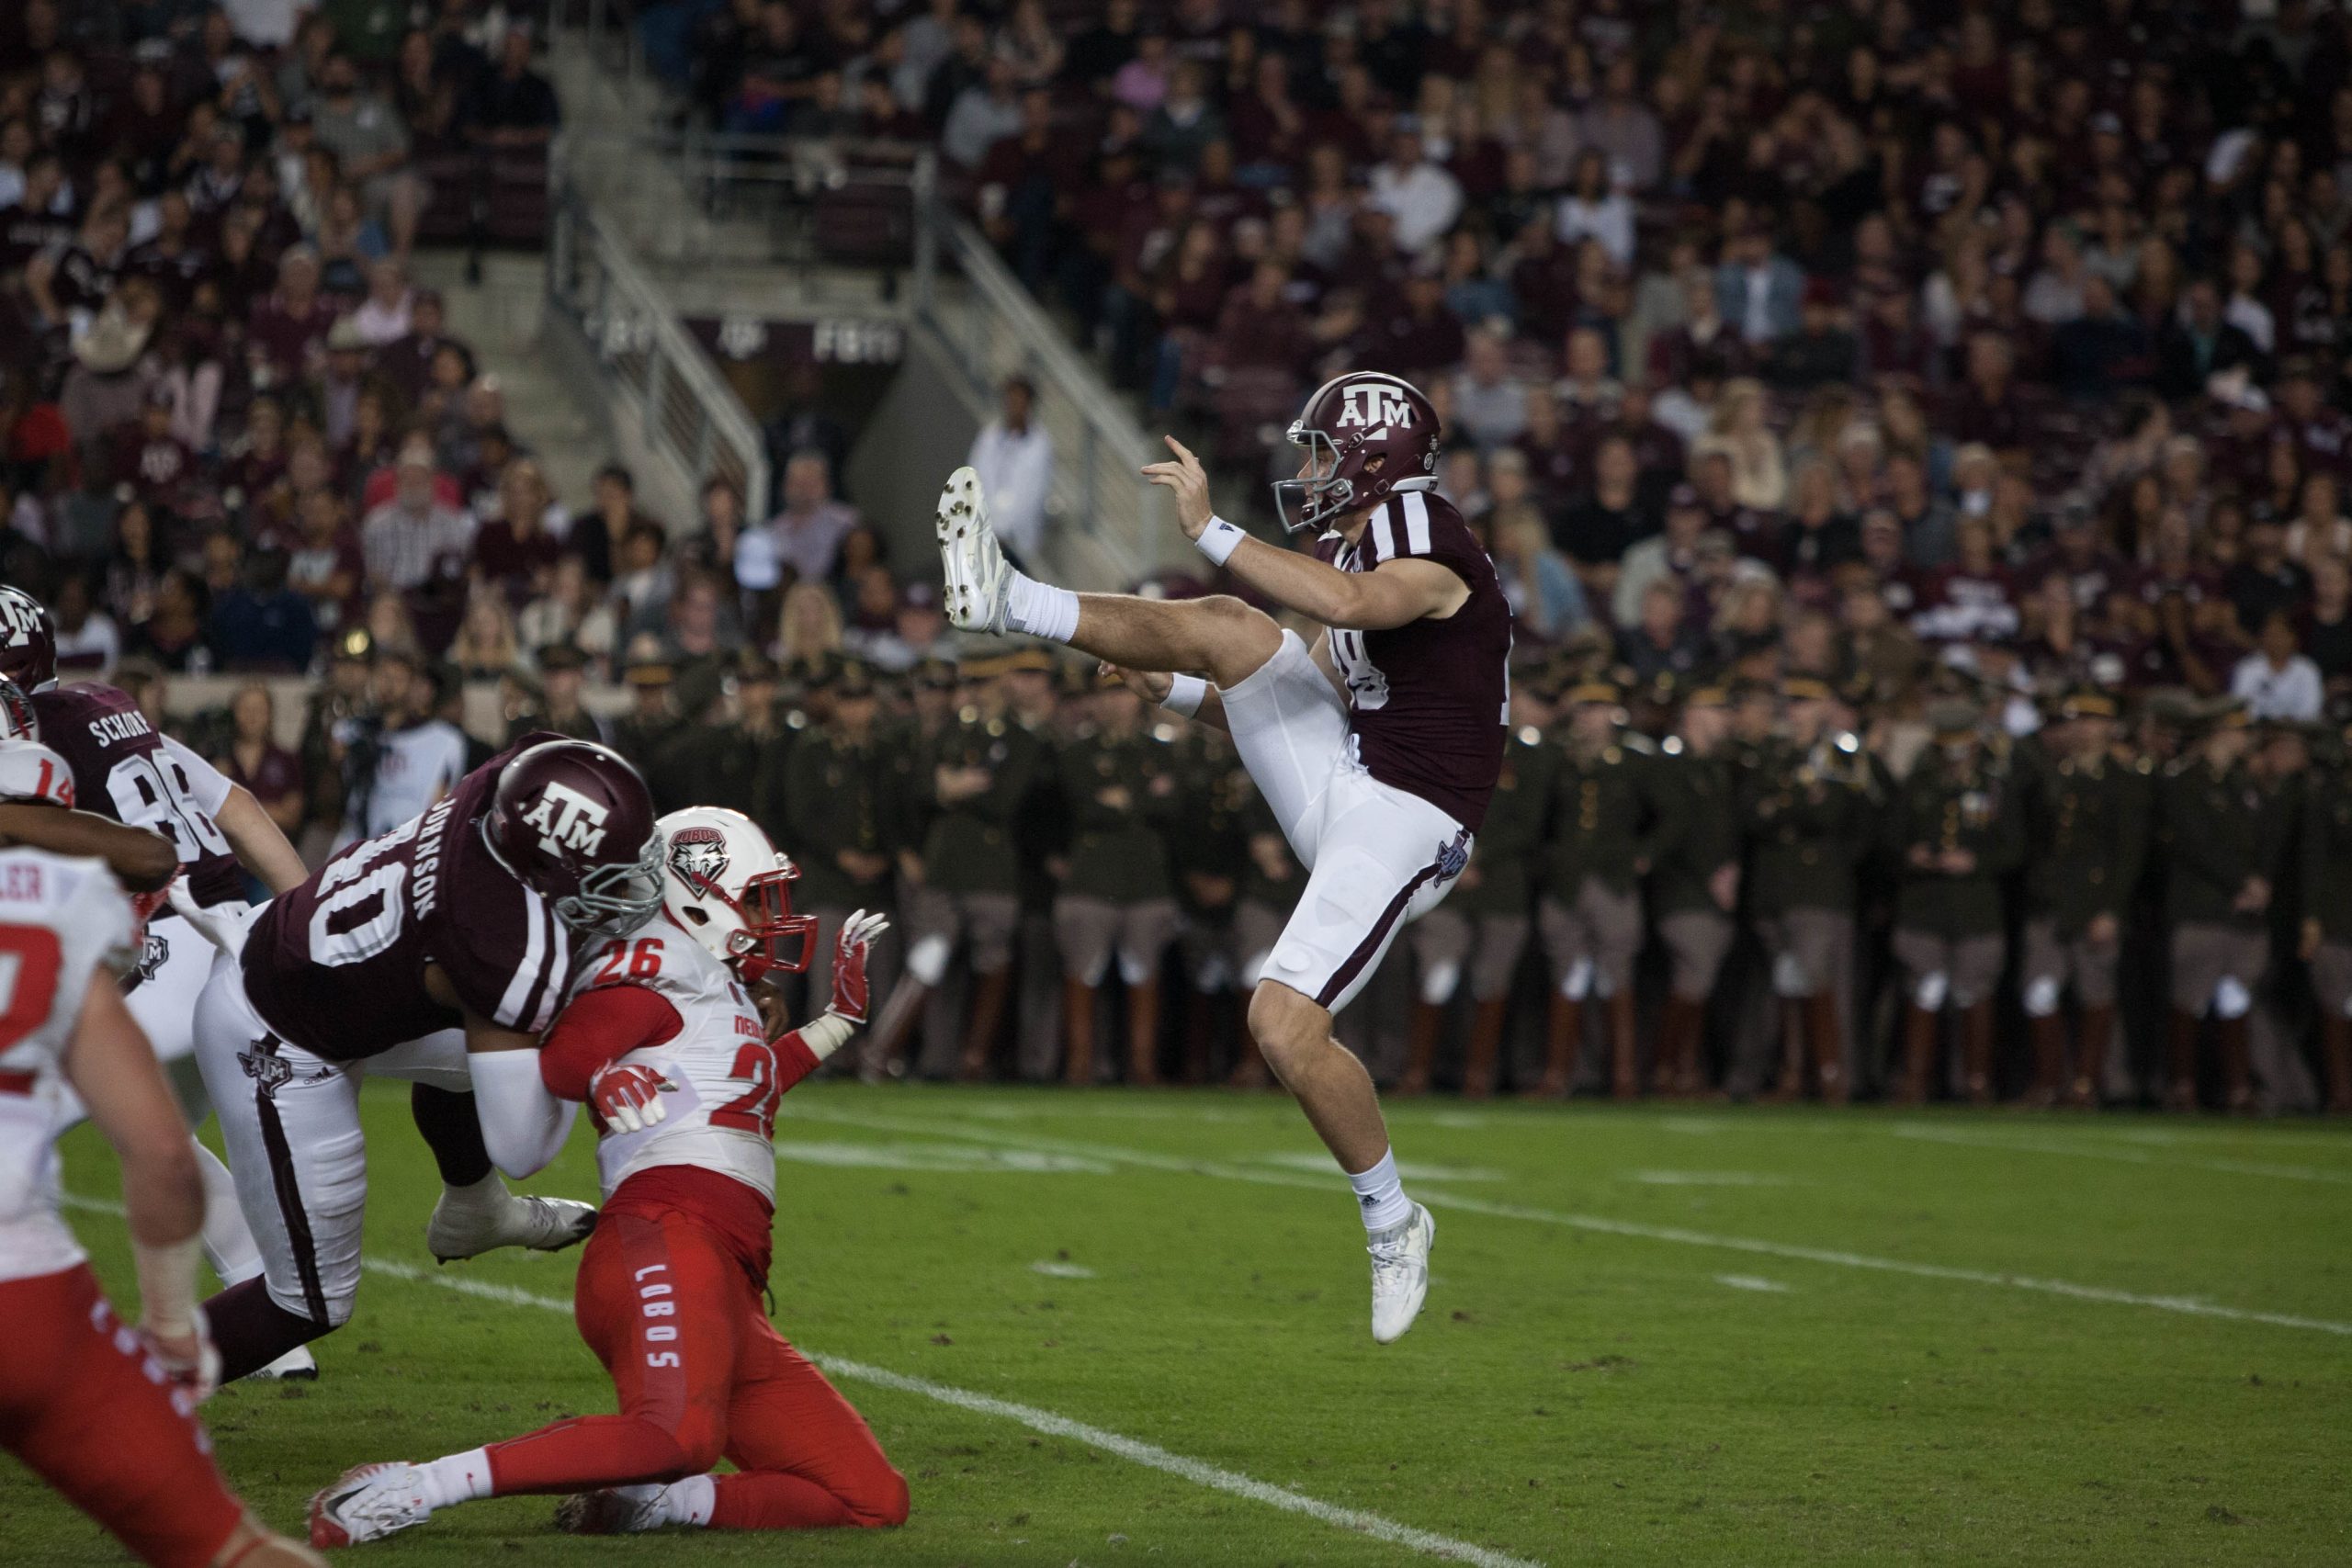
(261, 845)
(143, 862)
(113, 1068)
(1393, 593)
(523, 1125)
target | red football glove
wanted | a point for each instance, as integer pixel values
(628, 1096)
(849, 964)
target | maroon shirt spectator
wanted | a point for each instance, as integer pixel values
(1259, 328)
(1973, 599)
(287, 332)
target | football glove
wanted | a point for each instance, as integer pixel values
(628, 1096)
(849, 964)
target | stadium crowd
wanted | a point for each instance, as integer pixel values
(1838, 387)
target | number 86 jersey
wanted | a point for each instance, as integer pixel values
(721, 1076)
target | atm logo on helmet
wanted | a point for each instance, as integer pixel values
(20, 619)
(567, 821)
(1367, 404)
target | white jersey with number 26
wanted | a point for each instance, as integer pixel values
(718, 1105)
(60, 919)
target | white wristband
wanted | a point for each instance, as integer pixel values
(167, 1283)
(826, 1033)
(1185, 694)
(1219, 540)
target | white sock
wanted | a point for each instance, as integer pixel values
(1039, 609)
(1381, 1191)
(460, 1478)
(229, 1243)
(691, 1501)
(487, 1195)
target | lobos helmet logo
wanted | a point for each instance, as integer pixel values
(567, 820)
(698, 855)
(1368, 404)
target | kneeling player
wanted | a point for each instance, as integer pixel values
(663, 1041)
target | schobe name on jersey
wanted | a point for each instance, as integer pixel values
(108, 728)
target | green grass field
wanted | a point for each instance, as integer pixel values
(1673, 1334)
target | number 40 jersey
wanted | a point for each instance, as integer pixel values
(721, 1076)
(337, 964)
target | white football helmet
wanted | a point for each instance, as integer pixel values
(731, 889)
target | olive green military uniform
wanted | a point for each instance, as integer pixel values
(2327, 858)
(2221, 834)
(840, 819)
(1601, 821)
(1206, 849)
(1957, 827)
(1118, 899)
(1481, 932)
(1271, 880)
(1698, 842)
(1808, 814)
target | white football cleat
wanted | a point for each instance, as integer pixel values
(979, 577)
(1400, 1274)
(476, 1223)
(615, 1510)
(369, 1503)
(297, 1365)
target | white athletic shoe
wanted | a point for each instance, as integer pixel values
(615, 1510)
(469, 1228)
(1400, 1274)
(979, 577)
(369, 1503)
(297, 1365)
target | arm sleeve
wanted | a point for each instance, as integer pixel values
(600, 1027)
(207, 786)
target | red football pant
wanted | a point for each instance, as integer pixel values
(84, 1407)
(702, 1374)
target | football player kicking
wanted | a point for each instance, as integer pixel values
(681, 1069)
(1377, 748)
(103, 1412)
(436, 952)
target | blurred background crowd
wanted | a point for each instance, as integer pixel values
(1858, 396)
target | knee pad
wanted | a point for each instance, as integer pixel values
(1788, 979)
(927, 959)
(2231, 998)
(1932, 989)
(2041, 996)
(1576, 984)
(1135, 968)
(1438, 983)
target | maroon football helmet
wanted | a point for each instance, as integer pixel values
(572, 821)
(27, 640)
(1367, 437)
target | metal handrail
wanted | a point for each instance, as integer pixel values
(685, 407)
(1098, 502)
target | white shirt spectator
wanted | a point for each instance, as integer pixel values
(1424, 199)
(414, 767)
(1016, 469)
(380, 324)
(265, 24)
(2292, 691)
(404, 548)
(91, 648)
(809, 540)
(1491, 412)
(1609, 220)
(980, 119)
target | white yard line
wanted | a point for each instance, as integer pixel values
(1135, 1450)
(1963, 1137)
(2192, 1307)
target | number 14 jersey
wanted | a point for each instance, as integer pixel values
(337, 964)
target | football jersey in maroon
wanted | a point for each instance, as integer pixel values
(1428, 700)
(124, 770)
(337, 965)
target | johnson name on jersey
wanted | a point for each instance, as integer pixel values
(337, 964)
(60, 919)
(721, 1072)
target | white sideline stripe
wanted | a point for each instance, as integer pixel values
(2192, 1307)
(1152, 1456)
(1963, 1138)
